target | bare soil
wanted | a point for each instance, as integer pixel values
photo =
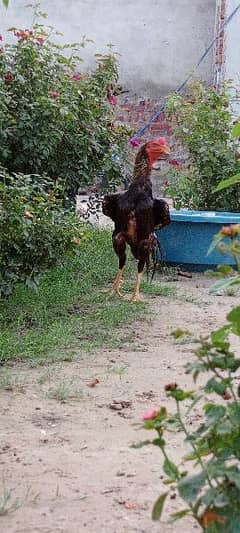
(65, 438)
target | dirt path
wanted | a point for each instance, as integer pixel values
(72, 461)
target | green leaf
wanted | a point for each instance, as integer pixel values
(224, 184)
(5, 2)
(234, 477)
(234, 315)
(225, 428)
(236, 130)
(223, 284)
(215, 386)
(190, 486)
(179, 515)
(220, 335)
(158, 507)
(178, 333)
(217, 238)
(171, 470)
(214, 412)
(225, 269)
(179, 395)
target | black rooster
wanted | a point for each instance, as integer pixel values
(136, 214)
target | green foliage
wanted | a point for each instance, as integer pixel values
(234, 179)
(203, 124)
(211, 489)
(212, 493)
(35, 231)
(55, 120)
(228, 242)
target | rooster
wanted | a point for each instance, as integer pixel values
(136, 214)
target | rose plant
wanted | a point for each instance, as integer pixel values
(54, 118)
(210, 488)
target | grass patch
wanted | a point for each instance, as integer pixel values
(70, 311)
(64, 391)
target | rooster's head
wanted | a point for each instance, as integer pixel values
(157, 149)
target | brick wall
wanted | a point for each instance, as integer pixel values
(136, 112)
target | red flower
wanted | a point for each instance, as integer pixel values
(174, 162)
(227, 395)
(134, 142)
(23, 34)
(76, 76)
(54, 94)
(230, 231)
(1, 37)
(112, 100)
(40, 40)
(8, 77)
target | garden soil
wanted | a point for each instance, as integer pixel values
(70, 462)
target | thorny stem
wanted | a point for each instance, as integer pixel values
(204, 468)
(231, 386)
(163, 450)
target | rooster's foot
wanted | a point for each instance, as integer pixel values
(116, 292)
(136, 298)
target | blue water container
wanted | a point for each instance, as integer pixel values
(187, 239)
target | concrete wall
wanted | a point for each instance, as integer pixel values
(160, 41)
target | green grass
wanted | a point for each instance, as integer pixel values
(71, 311)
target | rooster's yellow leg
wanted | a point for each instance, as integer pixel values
(136, 293)
(117, 284)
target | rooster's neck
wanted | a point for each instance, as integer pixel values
(142, 169)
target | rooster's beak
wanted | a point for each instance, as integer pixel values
(165, 153)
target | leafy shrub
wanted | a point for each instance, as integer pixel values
(212, 494)
(35, 231)
(55, 120)
(203, 124)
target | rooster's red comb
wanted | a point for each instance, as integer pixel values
(162, 141)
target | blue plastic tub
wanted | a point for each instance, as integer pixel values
(187, 239)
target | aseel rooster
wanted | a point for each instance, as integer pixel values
(136, 214)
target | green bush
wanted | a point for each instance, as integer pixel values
(210, 487)
(55, 120)
(203, 124)
(35, 231)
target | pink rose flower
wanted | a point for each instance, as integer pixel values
(112, 100)
(1, 37)
(40, 40)
(134, 142)
(76, 76)
(54, 94)
(151, 414)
